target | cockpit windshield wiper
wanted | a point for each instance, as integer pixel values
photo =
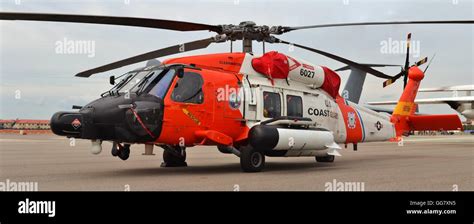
(121, 83)
(141, 85)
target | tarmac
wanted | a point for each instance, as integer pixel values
(431, 163)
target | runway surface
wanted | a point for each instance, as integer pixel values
(424, 163)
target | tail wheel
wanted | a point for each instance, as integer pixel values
(325, 159)
(251, 160)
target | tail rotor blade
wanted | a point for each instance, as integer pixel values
(393, 79)
(429, 63)
(405, 79)
(388, 82)
(407, 58)
(422, 61)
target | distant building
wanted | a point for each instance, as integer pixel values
(6, 124)
(23, 124)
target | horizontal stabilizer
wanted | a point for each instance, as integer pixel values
(441, 100)
(434, 122)
(449, 88)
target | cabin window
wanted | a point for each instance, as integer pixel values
(271, 105)
(188, 89)
(294, 105)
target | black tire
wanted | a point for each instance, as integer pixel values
(325, 159)
(124, 153)
(172, 160)
(251, 160)
(115, 151)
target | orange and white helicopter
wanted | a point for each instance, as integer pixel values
(249, 105)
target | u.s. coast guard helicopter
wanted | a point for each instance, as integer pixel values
(249, 105)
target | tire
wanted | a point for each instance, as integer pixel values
(325, 159)
(251, 160)
(115, 151)
(171, 159)
(124, 153)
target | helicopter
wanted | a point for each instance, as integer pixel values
(252, 106)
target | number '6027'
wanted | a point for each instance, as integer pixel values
(307, 73)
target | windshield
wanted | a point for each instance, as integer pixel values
(162, 84)
(132, 81)
(145, 82)
(155, 82)
(122, 82)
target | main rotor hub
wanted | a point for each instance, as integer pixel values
(248, 31)
(248, 24)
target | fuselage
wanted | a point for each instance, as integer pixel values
(219, 99)
(234, 76)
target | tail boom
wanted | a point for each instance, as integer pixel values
(404, 118)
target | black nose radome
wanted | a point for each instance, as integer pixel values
(115, 118)
(67, 124)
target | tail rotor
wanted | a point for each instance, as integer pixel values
(406, 67)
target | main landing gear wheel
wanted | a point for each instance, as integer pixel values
(174, 157)
(325, 159)
(123, 152)
(251, 160)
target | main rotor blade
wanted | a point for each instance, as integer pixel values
(110, 20)
(199, 44)
(289, 28)
(340, 59)
(347, 67)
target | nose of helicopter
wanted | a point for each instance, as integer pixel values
(114, 118)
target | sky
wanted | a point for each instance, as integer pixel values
(37, 70)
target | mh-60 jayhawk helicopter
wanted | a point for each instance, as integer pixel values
(252, 106)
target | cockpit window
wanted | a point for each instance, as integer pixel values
(189, 89)
(160, 86)
(144, 81)
(132, 81)
(120, 84)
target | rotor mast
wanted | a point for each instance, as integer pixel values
(248, 27)
(247, 45)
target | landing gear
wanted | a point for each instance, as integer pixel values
(123, 152)
(223, 149)
(115, 150)
(325, 159)
(251, 160)
(174, 156)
